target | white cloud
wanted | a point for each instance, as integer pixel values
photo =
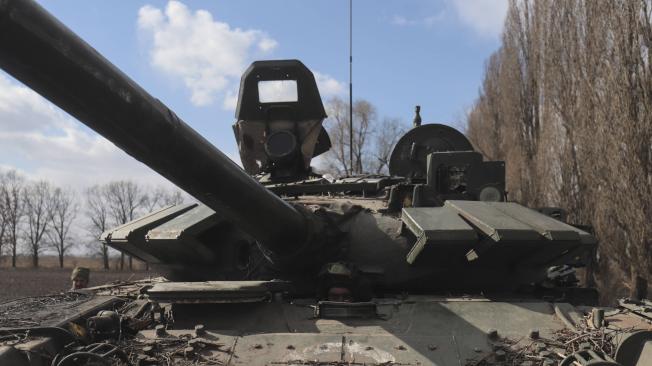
(53, 146)
(16, 101)
(267, 44)
(206, 54)
(401, 21)
(429, 21)
(42, 142)
(327, 85)
(486, 17)
(230, 101)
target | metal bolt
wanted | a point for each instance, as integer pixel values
(597, 317)
(500, 355)
(160, 330)
(199, 330)
(492, 333)
(534, 334)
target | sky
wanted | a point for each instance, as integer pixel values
(190, 55)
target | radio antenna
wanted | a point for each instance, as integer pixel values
(351, 85)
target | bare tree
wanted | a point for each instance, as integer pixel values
(97, 210)
(37, 200)
(372, 144)
(3, 213)
(338, 129)
(364, 114)
(565, 101)
(63, 210)
(124, 199)
(390, 131)
(160, 197)
(12, 198)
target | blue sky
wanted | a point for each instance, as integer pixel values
(190, 54)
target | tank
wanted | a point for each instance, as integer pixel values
(277, 265)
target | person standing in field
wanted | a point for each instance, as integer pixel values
(80, 278)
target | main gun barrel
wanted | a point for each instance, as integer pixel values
(38, 50)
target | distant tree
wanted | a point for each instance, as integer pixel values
(97, 211)
(124, 199)
(3, 213)
(160, 197)
(372, 144)
(14, 209)
(63, 210)
(337, 125)
(566, 103)
(364, 115)
(390, 131)
(38, 205)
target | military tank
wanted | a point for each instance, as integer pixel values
(278, 265)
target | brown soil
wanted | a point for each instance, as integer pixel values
(22, 282)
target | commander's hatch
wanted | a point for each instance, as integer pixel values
(500, 233)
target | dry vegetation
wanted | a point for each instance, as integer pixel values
(566, 101)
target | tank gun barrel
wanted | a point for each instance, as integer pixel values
(41, 52)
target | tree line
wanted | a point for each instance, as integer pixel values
(36, 216)
(566, 102)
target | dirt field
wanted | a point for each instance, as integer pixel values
(21, 282)
(26, 281)
(49, 261)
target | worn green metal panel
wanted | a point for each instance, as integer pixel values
(545, 225)
(178, 239)
(493, 222)
(436, 225)
(130, 237)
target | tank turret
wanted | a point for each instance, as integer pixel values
(275, 264)
(439, 221)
